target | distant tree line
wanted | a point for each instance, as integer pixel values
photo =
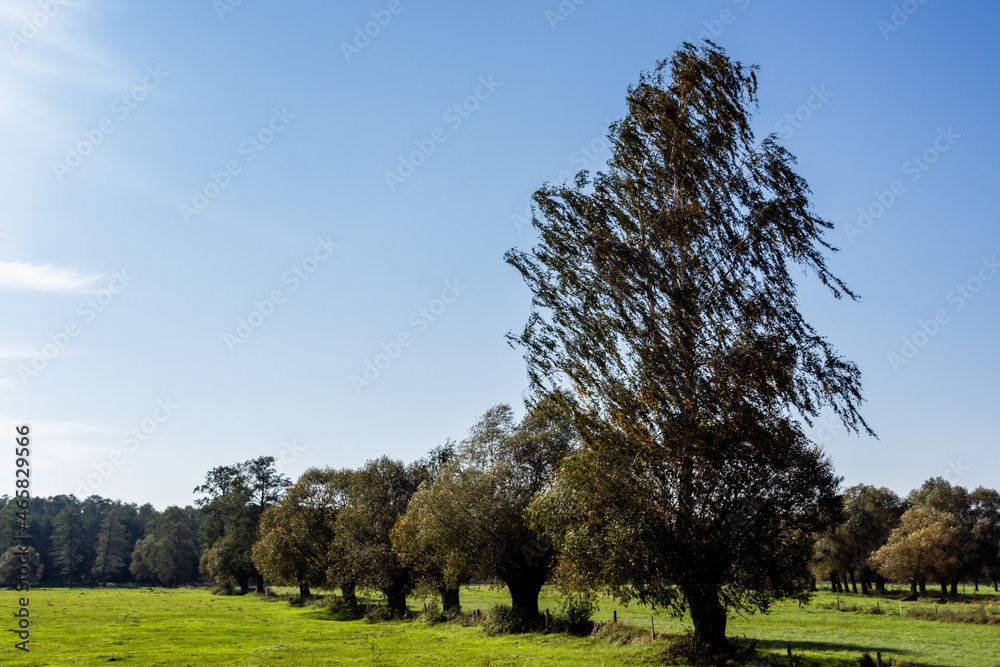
(939, 533)
(96, 541)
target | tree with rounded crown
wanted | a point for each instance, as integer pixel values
(663, 299)
(470, 519)
(297, 533)
(927, 544)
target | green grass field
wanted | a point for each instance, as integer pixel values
(192, 627)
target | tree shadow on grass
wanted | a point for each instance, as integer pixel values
(850, 652)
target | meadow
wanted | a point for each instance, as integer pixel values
(144, 626)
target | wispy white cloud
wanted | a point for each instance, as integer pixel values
(10, 351)
(55, 83)
(43, 278)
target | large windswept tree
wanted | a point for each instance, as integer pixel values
(664, 299)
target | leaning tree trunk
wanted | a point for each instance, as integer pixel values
(944, 588)
(854, 583)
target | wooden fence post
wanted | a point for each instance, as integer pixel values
(878, 658)
(652, 630)
(614, 617)
(547, 619)
(790, 663)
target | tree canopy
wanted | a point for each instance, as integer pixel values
(472, 518)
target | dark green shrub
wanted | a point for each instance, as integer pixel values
(223, 589)
(502, 620)
(341, 611)
(683, 651)
(575, 614)
(381, 614)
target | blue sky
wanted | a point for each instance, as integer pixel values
(216, 213)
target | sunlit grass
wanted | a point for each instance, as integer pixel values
(192, 627)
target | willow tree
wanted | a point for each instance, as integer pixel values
(296, 534)
(376, 496)
(471, 518)
(663, 297)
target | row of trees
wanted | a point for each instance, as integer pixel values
(458, 514)
(940, 532)
(96, 541)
